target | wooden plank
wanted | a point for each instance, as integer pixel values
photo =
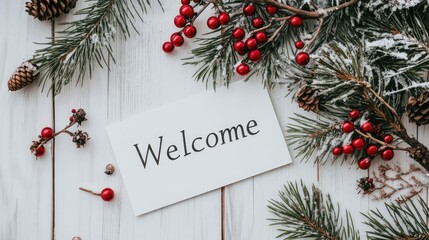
(25, 184)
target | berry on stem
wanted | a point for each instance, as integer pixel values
(177, 39)
(224, 18)
(39, 151)
(337, 151)
(358, 143)
(257, 22)
(73, 110)
(354, 114)
(387, 154)
(180, 21)
(243, 69)
(47, 133)
(238, 33)
(348, 149)
(255, 55)
(249, 10)
(239, 46)
(261, 37)
(187, 11)
(299, 44)
(372, 150)
(295, 21)
(251, 43)
(185, 2)
(213, 23)
(302, 58)
(166, 47)
(347, 127)
(190, 31)
(367, 127)
(272, 9)
(364, 163)
(107, 194)
(388, 138)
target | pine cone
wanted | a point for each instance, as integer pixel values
(307, 99)
(23, 76)
(418, 109)
(49, 9)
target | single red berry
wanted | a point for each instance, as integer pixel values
(224, 18)
(369, 180)
(73, 110)
(337, 151)
(177, 39)
(388, 138)
(190, 31)
(40, 151)
(257, 22)
(295, 21)
(180, 21)
(213, 23)
(354, 114)
(166, 47)
(238, 33)
(387, 154)
(47, 133)
(272, 9)
(239, 46)
(302, 58)
(197, 1)
(243, 69)
(299, 44)
(364, 163)
(251, 43)
(255, 55)
(186, 2)
(372, 150)
(187, 11)
(107, 194)
(261, 37)
(249, 10)
(367, 127)
(348, 149)
(347, 127)
(358, 143)
(72, 118)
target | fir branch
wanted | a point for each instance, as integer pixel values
(307, 213)
(86, 42)
(407, 221)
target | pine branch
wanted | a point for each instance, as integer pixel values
(307, 213)
(86, 42)
(407, 221)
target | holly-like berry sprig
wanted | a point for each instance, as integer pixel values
(248, 45)
(107, 194)
(47, 134)
(368, 138)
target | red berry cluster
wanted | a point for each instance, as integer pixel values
(185, 21)
(47, 133)
(371, 148)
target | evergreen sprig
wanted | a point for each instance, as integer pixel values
(86, 42)
(307, 213)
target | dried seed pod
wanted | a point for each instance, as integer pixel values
(110, 169)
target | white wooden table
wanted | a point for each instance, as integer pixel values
(40, 199)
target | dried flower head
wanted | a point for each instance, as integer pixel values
(80, 138)
(365, 184)
(79, 116)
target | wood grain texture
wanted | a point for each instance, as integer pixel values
(143, 78)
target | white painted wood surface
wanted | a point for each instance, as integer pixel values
(35, 204)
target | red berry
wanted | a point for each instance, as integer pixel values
(302, 58)
(347, 127)
(243, 69)
(40, 151)
(261, 37)
(388, 138)
(295, 21)
(213, 23)
(177, 39)
(358, 143)
(354, 114)
(186, 2)
(249, 10)
(369, 180)
(251, 43)
(337, 151)
(272, 9)
(47, 133)
(190, 31)
(364, 163)
(73, 110)
(187, 11)
(224, 18)
(255, 55)
(197, 1)
(348, 149)
(387, 154)
(180, 21)
(372, 150)
(257, 22)
(107, 194)
(240, 46)
(166, 47)
(72, 118)
(367, 127)
(238, 33)
(299, 44)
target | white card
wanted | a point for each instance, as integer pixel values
(196, 145)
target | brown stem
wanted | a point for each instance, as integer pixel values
(65, 130)
(318, 228)
(315, 34)
(89, 191)
(283, 23)
(383, 144)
